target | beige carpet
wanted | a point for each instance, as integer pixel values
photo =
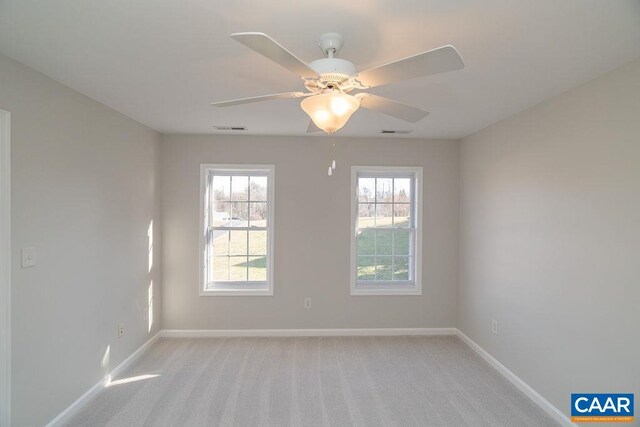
(337, 381)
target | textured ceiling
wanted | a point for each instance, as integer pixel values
(162, 62)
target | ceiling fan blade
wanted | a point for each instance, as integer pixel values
(266, 46)
(435, 61)
(286, 95)
(312, 128)
(391, 108)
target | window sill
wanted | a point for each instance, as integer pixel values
(386, 292)
(236, 292)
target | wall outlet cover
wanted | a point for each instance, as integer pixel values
(28, 257)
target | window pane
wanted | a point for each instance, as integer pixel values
(402, 190)
(366, 215)
(366, 268)
(238, 268)
(209, 267)
(239, 214)
(366, 242)
(383, 215)
(401, 214)
(258, 214)
(366, 189)
(238, 243)
(239, 188)
(401, 242)
(257, 242)
(385, 227)
(235, 201)
(383, 242)
(220, 242)
(221, 214)
(383, 268)
(401, 268)
(221, 188)
(258, 187)
(258, 269)
(220, 268)
(383, 190)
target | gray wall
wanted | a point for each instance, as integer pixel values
(550, 240)
(84, 189)
(312, 227)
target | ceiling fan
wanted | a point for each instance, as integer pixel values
(329, 81)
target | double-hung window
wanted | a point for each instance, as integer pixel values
(237, 229)
(386, 235)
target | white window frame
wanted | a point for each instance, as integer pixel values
(413, 287)
(265, 289)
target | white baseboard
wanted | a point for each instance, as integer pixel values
(72, 409)
(195, 333)
(543, 403)
(134, 356)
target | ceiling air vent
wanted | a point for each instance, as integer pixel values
(398, 132)
(234, 128)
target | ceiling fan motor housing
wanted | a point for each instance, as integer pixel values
(333, 70)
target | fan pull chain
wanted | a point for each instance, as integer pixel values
(333, 156)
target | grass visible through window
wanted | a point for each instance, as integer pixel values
(383, 253)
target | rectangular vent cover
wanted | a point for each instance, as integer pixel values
(400, 132)
(239, 128)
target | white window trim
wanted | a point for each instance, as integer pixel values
(416, 287)
(227, 168)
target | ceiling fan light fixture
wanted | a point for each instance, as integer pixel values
(330, 111)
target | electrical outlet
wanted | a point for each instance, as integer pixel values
(120, 329)
(28, 257)
(307, 303)
(494, 326)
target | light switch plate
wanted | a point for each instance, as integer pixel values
(28, 257)
(494, 326)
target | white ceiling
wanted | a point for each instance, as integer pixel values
(162, 62)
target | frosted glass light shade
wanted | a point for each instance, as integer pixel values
(330, 111)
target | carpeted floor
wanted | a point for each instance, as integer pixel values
(337, 381)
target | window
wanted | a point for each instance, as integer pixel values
(386, 231)
(237, 230)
